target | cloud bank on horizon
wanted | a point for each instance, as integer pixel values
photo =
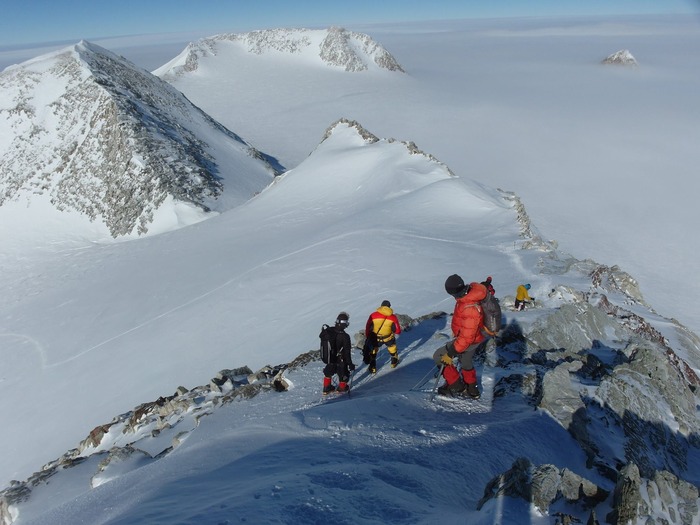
(70, 21)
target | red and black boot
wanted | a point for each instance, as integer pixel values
(453, 382)
(469, 378)
(327, 386)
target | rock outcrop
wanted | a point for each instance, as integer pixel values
(621, 58)
(603, 373)
(543, 486)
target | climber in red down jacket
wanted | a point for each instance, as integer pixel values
(467, 326)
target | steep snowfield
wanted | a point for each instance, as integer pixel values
(361, 220)
(98, 329)
(86, 131)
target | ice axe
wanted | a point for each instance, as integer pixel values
(437, 380)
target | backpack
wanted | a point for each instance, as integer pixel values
(491, 309)
(328, 348)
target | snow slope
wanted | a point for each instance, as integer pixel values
(360, 220)
(604, 158)
(134, 320)
(89, 331)
(385, 455)
(86, 131)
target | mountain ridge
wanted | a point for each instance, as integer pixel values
(336, 47)
(589, 405)
(90, 132)
(538, 350)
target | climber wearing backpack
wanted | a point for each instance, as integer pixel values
(335, 352)
(522, 297)
(381, 329)
(488, 285)
(467, 325)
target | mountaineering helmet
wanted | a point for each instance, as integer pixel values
(386, 303)
(527, 286)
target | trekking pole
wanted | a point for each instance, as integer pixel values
(437, 380)
(418, 387)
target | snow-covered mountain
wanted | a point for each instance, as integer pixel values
(621, 58)
(336, 47)
(590, 399)
(84, 130)
(523, 105)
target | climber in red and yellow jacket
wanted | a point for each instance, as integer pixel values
(381, 329)
(467, 329)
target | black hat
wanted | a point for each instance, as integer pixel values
(343, 319)
(454, 285)
(386, 303)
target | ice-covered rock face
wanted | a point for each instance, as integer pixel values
(97, 135)
(621, 58)
(335, 47)
(353, 51)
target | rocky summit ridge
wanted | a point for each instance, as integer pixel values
(625, 393)
(95, 134)
(335, 47)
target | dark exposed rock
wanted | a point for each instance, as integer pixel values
(664, 498)
(592, 519)
(559, 397)
(514, 483)
(647, 389)
(525, 384)
(574, 326)
(543, 486)
(626, 498)
(605, 394)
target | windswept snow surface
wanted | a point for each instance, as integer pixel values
(91, 330)
(604, 158)
(387, 454)
(98, 329)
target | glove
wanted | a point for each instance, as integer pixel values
(446, 360)
(351, 367)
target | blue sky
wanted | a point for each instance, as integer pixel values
(38, 21)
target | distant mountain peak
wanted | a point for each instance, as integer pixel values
(335, 46)
(621, 58)
(354, 50)
(95, 134)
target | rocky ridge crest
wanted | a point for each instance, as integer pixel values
(100, 136)
(604, 373)
(336, 47)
